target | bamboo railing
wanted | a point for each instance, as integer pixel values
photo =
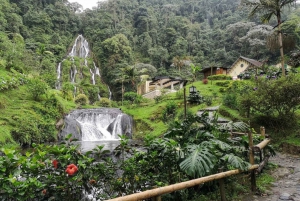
(157, 192)
(176, 187)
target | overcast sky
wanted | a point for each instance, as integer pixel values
(86, 3)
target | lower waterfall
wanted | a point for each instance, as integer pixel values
(97, 124)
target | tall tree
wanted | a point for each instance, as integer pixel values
(268, 9)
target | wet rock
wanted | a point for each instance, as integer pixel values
(285, 196)
(281, 172)
(297, 169)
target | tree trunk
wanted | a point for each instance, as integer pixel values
(280, 45)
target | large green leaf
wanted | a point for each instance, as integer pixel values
(199, 161)
(235, 162)
(221, 145)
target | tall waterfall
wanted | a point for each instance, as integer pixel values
(97, 124)
(58, 71)
(80, 47)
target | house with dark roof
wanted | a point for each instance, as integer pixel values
(242, 64)
(152, 89)
(213, 70)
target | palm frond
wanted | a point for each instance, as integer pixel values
(266, 17)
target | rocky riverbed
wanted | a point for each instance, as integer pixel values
(287, 184)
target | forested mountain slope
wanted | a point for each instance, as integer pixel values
(171, 31)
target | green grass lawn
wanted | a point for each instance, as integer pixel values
(147, 116)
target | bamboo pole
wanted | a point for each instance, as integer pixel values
(251, 159)
(263, 163)
(263, 131)
(263, 144)
(251, 155)
(184, 99)
(222, 187)
(176, 187)
(239, 133)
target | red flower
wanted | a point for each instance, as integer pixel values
(44, 191)
(55, 163)
(71, 169)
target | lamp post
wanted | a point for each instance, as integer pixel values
(193, 90)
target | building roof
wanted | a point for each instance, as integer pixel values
(167, 79)
(251, 61)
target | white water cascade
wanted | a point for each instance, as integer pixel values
(58, 71)
(97, 124)
(93, 76)
(110, 94)
(79, 49)
(97, 71)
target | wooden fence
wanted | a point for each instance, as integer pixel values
(156, 193)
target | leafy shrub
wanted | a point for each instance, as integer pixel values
(133, 97)
(195, 98)
(103, 102)
(275, 98)
(12, 81)
(67, 91)
(223, 84)
(230, 100)
(37, 87)
(205, 81)
(53, 107)
(169, 111)
(219, 77)
(93, 94)
(222, 90)
(26, 129)
(208, 100)
(81, 99)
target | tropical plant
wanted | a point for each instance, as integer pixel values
(201, 151)
(268, 9)
(169, 112)
(81, 99)
(37, 87)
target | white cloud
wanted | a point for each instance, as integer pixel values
(86, 3)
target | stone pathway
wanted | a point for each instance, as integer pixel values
(287, 185)
(211, 111)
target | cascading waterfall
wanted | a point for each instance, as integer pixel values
(58, 71)
(97, 71)
(97, 124)
(93, 76)
(79, 49)
(110, 94)
(73, 73)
